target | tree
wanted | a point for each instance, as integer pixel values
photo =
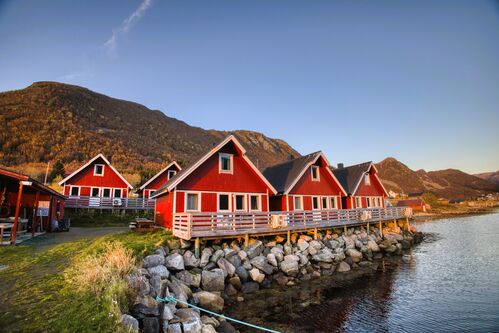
(57, 170)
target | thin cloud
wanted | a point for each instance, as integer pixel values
(112, 43)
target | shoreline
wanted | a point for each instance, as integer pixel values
(421, 217)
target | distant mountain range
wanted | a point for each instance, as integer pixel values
(492, 177)
(50, 121)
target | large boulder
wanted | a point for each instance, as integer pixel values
(160, 271)
(278, 253)
(262, 264)
(325, 255)
(256, 275)
(234, 258)
(302, 244)
(349, 242)
(272, 259)
(343, 267)
(205, 257)
(213, 280)
(210, 301)
(226, 266)
(191, 321)
(190, 279)
(139, 283)
(242, 273)
(208, 329)
(289, 267)
(175, 262)
(168, 312)
(153, 260)
(190, 260)
(145, 306)
(371, 245)
(226, 327)
(172, 328)
(217, 255)
(254, 249)
(150, 325)
(130, 323)
(393, 237)
(354, 254)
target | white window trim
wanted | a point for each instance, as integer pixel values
(229, 209)
(110, 192)
(327, 202)
(71, 190)
(231, 159)
(244, 203)
(173, 172)
(95, 168)
(150, 192)
(199, 201)
(259, 202)
(318, 202)
(357, 201)
(121, 192)
(91, 190)
(335, 200)
(312, 173)
(367, 179)
(301, 202)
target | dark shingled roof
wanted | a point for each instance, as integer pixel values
(283, 175)
(349, 177)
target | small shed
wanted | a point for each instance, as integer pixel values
(415, 204)
(26, 206)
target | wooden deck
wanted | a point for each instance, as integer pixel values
(224, 225)
(110, 203)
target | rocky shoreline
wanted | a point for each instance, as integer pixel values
(228, 271)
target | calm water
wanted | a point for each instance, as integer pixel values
(452, 285)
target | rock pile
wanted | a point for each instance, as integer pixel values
(228, 269)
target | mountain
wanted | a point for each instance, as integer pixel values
(50, 121)
(450, 183)
(492, 177)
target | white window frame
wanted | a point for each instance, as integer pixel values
(367, 179)
(98, 194)
(95, 170)
(312, 168)
(300, 200)
(71, 190)
(110, 192)
(229, 198)
(259, 201)
(150, 192)
(244, 202)
(358, 202)
(231, 162)
(117, 189)
(327, 202)
(171, 174)
(318, 203)
(334, 201)
(198, 204)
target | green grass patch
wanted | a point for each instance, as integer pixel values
(39, 293)
(96, 218)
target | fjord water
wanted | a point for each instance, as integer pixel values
(450, 285)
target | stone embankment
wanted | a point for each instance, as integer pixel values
(227, 270)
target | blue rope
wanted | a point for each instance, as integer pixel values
(169, 298)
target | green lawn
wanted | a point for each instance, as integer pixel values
(36, 294)
(96, 218)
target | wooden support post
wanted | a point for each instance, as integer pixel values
(368, 228)
(246, 240)
(289, 237)
(407, 225)
(13, 232)
(315, 233)
(345, 229)
(381, 228)
(35, 215)
(197, 247)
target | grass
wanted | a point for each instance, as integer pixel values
(49, 289)
(89, 218)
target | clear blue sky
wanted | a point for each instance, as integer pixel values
(360, 80)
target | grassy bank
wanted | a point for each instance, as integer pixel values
(96, 218)
(70, 287)
(453, 210)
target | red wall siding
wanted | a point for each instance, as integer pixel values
(86, 177)
(372, 190)
(163, 210)
(325, 186)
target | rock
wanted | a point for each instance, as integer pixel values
(249, 287)
(187, 313)
(406, 258)
(213, 280)
(205, 257)
(272, 259)
(332, 244)
(174, 328)
(343, 267)
(311, 251)
(393, 237)
(139, 283)
(316, 244)
(291, 257)
(161, 251)
(226, 327)
(130, 323)
(230, 290)
(192, 325)
(349, 242)
(190, 279)
(185, 244)
(325, 255)
(150, 325)
(371, 245)
(247, 265)
(217, 255)
(210, 301)
(160, 271)
(288, 249)
(190, 260)
(175, 262)
(262, 264)
(306, 238)
(289, 267)
(254, 249)
(281, 279)
(391, 249)
(242, 254)
(210, 321)
(153, 260)
(242, 273)
(354, 254)
(209, 266)
(302, 244)
(235, 281)
(278, 253)
(208, 329)
(234, 259)
(405, 244)
(173, 244)
(226, 266)
(155, 283)
(168, 312)
(144, 306)
(279, 239)
(256, 275)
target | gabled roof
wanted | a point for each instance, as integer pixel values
(284, 176)
(351, 176)
(174, 163)
(34, 183)
(90, 162)
(180, 176)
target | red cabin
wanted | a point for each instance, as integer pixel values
(415, 204)
(96, 179)
(305, 183)
(363, 186)
(224, 180)
(158, 180)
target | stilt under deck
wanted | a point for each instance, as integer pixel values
(229, 225)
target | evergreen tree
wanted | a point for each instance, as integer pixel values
(57, 170)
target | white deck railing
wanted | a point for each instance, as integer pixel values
(212, 224)
(109, 203)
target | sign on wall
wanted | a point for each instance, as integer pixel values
(43, 208)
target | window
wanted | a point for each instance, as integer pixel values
(95, 192)
(298, 201)
(315, 203)
(367, 180)
(255, 202)
(368, 202)
(99, 170)
(223, 202)
(74, 191)
(325, 203)
(315, 173)
(333, 203)
(225, 163)
(117, 192)
(358, 202)
(240, 202)
(106, 192)
(171, 174)
(151, 192)
(192, 202)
